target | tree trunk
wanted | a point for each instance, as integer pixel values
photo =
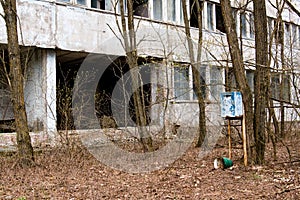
(261, 78)
(196, 67)
(239, 71)
(25, 150)
(132, 57)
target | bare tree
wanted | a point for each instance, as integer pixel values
(261, 78)
(239, 71)
(16, 83)
(196, 65)
(130, 45)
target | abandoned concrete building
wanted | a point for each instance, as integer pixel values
(60, 37)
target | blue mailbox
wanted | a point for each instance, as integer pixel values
(231, 104)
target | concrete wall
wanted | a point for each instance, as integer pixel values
(40, 91)
(51, 25)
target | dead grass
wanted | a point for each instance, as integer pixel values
(72, 173)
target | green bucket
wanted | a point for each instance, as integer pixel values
(227, 162)
(222, 163)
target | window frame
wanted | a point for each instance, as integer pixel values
(190, 90)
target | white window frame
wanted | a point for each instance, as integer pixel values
(287, 33)
(209, 26)
(219, 84)
(191, 96)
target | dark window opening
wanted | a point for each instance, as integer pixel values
(68, 65)
(140, 8)
(194, 14)
(219, 19)
(100, 4)
(65, 75)
(108, 87)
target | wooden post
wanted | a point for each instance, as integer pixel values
(244, 141)
(229, 139)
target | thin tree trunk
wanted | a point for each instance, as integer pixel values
(196, 68)
(25, 150)
(239, 71)
(131, 53)
(261, 78)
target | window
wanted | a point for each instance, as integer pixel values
(243, 25)
(287, 33)
(181, 83)
(299, 37)
(80, 2)
(270, 27)
(216, 82)
(210, 16)
(220, 25)
(251, 25)
(250, 79)
(140, 8)
(234, 15)
(98, 4)
(193, 15)
(181, 13)
(286, 93)
(202, 79)
(157, 9)
(171, 10)
(275, 86)
(294, 35)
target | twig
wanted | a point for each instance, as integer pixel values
(288, 190)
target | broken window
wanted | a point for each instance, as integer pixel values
(157, 9)
(220, 25)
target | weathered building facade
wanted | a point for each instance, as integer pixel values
(61, 36)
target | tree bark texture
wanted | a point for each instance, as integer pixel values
(196, 67)
(261, 78)
(25, 150)
(239, 71)
(132, 57)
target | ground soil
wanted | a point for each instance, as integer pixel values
(72, 173)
